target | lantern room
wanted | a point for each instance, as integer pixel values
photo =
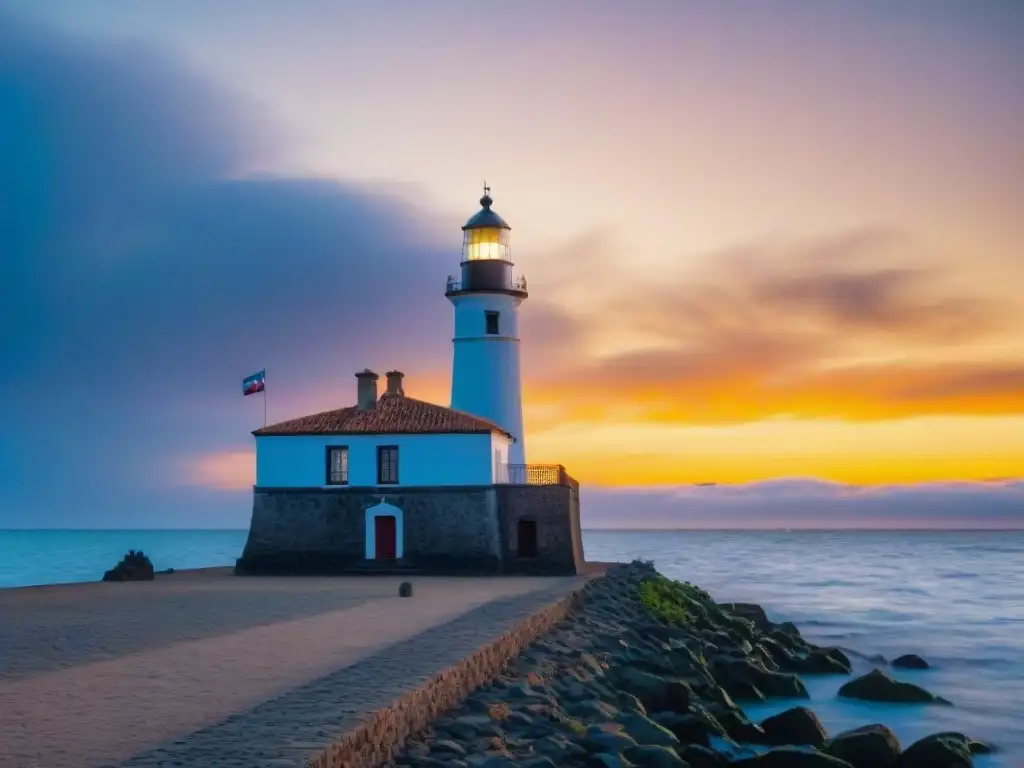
(486, 254)
(486, 234)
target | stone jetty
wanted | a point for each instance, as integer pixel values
(650, 672)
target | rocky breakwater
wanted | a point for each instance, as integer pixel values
(652, 672)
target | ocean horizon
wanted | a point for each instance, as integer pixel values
(949, 595)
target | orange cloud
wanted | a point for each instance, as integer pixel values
(853, 327)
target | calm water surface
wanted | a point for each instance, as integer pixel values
(957, 598)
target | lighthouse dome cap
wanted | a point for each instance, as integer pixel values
(485, 217)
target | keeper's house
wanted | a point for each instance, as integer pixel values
(393, 483)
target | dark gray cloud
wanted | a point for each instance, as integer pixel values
(143, 277)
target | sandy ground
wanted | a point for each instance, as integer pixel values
(97, 673)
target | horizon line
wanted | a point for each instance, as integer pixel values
(780, 529)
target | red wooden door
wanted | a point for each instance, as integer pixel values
(384, 537)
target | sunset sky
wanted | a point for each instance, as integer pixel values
(763, 240)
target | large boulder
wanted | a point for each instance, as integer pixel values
(824, 661)
(910, 661)
(940, 750)
(737, 676)
(976, 747)
(791, 757)
(795, 726)
(870, 746)
(876, 685)
(943, 750)
(689, 729)
(135, 566)
(739, 727)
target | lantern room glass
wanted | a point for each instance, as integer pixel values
(486, 243)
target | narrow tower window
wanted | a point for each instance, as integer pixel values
(492, 323)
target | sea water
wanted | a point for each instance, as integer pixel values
(58, 556)
(954, 597)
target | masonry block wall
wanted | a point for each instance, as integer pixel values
(550, 507)
(460, 529)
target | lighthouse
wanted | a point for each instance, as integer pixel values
(485, 366)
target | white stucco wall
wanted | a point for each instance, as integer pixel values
(486, 380)
(500, 447)
(300, 461)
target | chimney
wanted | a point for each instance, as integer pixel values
(366, 391)
(395, 382)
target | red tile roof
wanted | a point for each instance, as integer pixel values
(393, 414)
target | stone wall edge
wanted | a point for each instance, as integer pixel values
(384, 731)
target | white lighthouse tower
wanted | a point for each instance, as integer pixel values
(485, 369)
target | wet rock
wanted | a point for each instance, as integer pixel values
(630, 703)
(677, 698)
(592, 709)
(795, 726)
(790, 757)
(910, 661)
(825, 661)
(940, 750)
(542, 761)
(878, 686)
(605, 760)
(789, 628)
(744, 690)
(645, 731)
(648, 688)
(739, 727)
(558, 748)
(605, 738)
(654, 757)
(689, 729)
(736, 676)
(495, 761)
(975, 747)
(447, 746)
(870, 746)
(134, 566)
(750, 611)
(699, 756)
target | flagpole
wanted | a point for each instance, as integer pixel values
(264, 397)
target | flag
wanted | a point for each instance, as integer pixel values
(255, 383)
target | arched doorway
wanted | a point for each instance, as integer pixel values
(384, 532)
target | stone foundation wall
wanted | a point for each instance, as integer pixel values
(444, 530)
(551, 508)
(377, 740)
